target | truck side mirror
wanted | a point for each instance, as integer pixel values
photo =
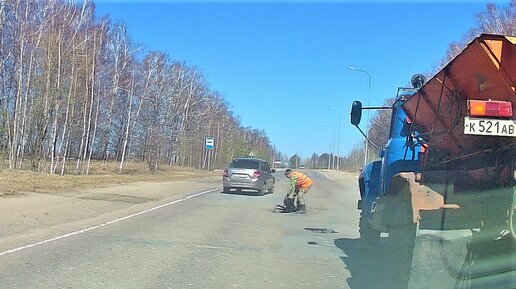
(356, 112)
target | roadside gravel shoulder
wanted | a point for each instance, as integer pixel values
(31, 217)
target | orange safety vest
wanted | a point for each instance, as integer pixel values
(302, 181)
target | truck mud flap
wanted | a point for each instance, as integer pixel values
(404, 201)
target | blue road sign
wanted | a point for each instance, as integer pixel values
(210, 143)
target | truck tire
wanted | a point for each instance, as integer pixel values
(367, 233)
(361, 187)
(401, 240)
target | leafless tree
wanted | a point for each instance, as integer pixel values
(73, 90)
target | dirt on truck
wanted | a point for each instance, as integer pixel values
(464, 119)
(444, 189)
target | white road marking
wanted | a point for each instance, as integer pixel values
(212, 247)
(103, 224)
(327, 176)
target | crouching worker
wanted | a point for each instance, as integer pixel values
(300, 184)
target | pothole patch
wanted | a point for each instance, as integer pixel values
(117, 198)
(321, 230)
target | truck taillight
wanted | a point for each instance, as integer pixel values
(226, 174)
(256, 174)
(490, 108)
(424, 148)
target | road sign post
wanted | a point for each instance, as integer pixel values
(209, 143)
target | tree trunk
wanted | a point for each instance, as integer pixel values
(128, 123)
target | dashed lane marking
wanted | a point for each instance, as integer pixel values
(327, 176)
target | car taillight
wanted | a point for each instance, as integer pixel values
(226, 173)
(490, 108)
(256, 174)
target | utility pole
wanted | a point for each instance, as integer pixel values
(333, 156)
(338, 144)
(329, 156)
(368, 104)
(338, 141)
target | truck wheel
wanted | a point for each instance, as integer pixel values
(401, 240)
(361, 187)
(367, 233)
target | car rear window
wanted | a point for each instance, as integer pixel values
(244, 164)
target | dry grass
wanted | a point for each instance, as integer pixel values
(101, 175)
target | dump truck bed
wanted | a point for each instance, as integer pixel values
(485, 70)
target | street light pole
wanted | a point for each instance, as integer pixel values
(338, 144)
(338, 141)
(329, 158)
(368, 104)
(333, 155)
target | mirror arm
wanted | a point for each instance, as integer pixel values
(368, 140)
(377, 107)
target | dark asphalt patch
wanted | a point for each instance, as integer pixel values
(321, 230)
(117, 198)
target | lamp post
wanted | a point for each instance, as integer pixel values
(368, 104)
(338, 141)
(331, 156)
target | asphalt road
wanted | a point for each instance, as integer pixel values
(203, 238)
(211, 240)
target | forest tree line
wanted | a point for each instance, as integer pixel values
(75, 88)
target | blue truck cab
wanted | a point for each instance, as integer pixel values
(400, 154)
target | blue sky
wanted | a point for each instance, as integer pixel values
(281, 65)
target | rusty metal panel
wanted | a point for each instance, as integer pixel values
(423, 198)
(486, 69)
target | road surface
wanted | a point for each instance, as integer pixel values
(198, 237)
(209, 240)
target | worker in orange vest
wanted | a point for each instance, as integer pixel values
(299, 186)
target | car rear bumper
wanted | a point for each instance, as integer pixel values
(254, 184)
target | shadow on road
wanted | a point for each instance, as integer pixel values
(372, 266)
(487, 264)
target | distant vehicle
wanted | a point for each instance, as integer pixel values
(278, 164)
(302, 167)
(249, 173)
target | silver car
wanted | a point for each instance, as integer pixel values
(249, 173)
